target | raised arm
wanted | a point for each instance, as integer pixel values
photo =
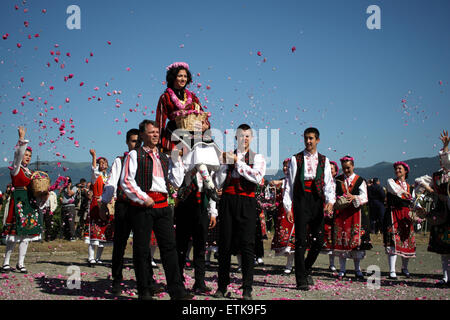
(21, 147)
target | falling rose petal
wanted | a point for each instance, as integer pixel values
(128, 69)
(293, 49)
(87, 60)
(26, 24)
(109, 42)
(56, 59)
(16, 7)
(5, 36)
(71, 76)
(67, 100)
(44, 10)
(19, 45)
(22, 79)
(15, 111)
(52, 87)
(68, 54)
(119, 132)
(259, 53)
(48, 64)
(36, 35)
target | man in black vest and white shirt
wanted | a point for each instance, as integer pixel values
(238, 177)
(310, 193)
(145, 182)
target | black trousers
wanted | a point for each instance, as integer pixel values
(143, 221)
(236, 234)
(309, 224)
(68, 217)
(259, 244)
(122, 230)
(192, 220)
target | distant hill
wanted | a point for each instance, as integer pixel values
(75, 170)
(382, 170)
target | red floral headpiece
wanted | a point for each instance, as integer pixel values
(405, 165)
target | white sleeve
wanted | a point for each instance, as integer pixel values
(110, 188)
(95, 174)
(329, 188)
(444, 158)
(289, 190)
(394, 188)
(177, 172)
(212, 208)
(362, 198)
(220, 176)
(21, 147)
(128, 182)
(255, 174)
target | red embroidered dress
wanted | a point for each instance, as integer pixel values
(283, 241)
(99, 229)
(399, 236)
(351, 225)
(166, 110)
(23, 220)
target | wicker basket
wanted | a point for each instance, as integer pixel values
(40, 182)
(188, 121)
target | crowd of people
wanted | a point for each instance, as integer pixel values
(173, 188)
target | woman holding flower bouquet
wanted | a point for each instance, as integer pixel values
(24, 220)
(351, 221)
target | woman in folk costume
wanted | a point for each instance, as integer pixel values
(399, 237)
(440, 231)
(178, 101)
(329, 225)
(23, 222)
(100, 224)
(351, 220)
(283, 242)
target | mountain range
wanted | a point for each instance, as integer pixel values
(76, 171)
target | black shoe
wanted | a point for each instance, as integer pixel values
(145, 295)
(247, 295)
(116, 288)
(201, 289)
(21, 269)
(360, 277)
(406, 273)
(341, 275)
(219, 294)
(308, 271)
(303, 285)
(6, 268)
(392, 276)
(186, 296)
(212, 194)
(156, 288)
(442, 283)
(309, 281)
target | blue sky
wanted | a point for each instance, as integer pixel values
(343, 78)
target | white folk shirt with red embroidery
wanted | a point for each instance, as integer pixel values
(310, 169)
(19, 153)
(255, 174)
(398, 189)
(362, 198)
(128, 182)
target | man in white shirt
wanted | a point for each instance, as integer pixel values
(193, 216)
(238, 177)
(145, 182)
(309, 192)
